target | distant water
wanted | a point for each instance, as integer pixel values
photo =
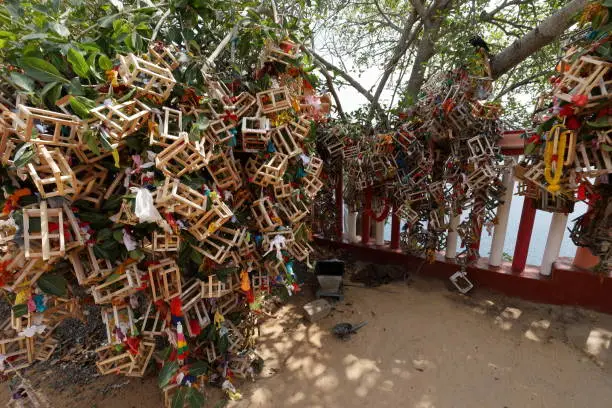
(538, 236)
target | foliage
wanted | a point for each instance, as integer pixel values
(361, 35)
(65, 47)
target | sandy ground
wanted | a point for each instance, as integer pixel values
(423, 347)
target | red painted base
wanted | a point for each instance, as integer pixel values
(566, 286)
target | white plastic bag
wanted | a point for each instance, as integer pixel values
(145, 210)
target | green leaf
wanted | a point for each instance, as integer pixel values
(530, 148)
(20, 310)
(166, 373)
(105, 140)
(136, 254)
(52, 284)
(8, 35)
(195, 398)
(47, 88)
(54, 94)
(81, 110)
(606, 147)
(76, 88)
(601, 122)
(104, 234)
(34, 36)
(107, 21)
(41, 70)
(23, 155)
(22, 81)
(105, 63)
(78, 63)
(196, 257)
(91, 142)
(198, 368)
(118, 235)
(178, 401)
(61, 29)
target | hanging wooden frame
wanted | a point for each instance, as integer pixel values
(283, 190)
(311, 186)
(300, 250)
(214, 288)
(285, 142)
(146, 76)
(265, 215)
(168, 129)
(164, 55)
(274, 100)
(19, 351)
(224, 173)
(181, 198)
(218, 214)
(111, 362)
(45, 348)
(244, 104)
(53, 177)
(164, 242)
(153, 323)
(271, 172)
(118, 317)
(255, 134)
(183, 156)
(46, 243)
(123, 119)
(220, 130)
(142, 359)
(300, 128)
(194, 306)
(120, 286)
(293, 210)
(87, 268)
(165, 280)
(586, 76)
(41, 126)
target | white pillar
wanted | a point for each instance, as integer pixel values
(553, 243)
(380, 233)
(503, 211)
(351, 221)
(451, 238)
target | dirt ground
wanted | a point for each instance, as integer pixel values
(424, 346)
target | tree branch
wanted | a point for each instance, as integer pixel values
(407, 37)
(542, 35)
(330, 85)
(387, 19)
(426, 48)
(524, 82)
(352, 81)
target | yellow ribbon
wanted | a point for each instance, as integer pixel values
(116, 157)
(555, 142)
(219, 319)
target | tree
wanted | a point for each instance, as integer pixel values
(411, 40)
(66, 46)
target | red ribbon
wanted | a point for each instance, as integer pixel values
(383, 215)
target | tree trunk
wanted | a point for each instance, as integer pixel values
(425, 51)
(545, 33)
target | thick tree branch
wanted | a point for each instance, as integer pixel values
(426, 47)
(409, 33)
(545, 33)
